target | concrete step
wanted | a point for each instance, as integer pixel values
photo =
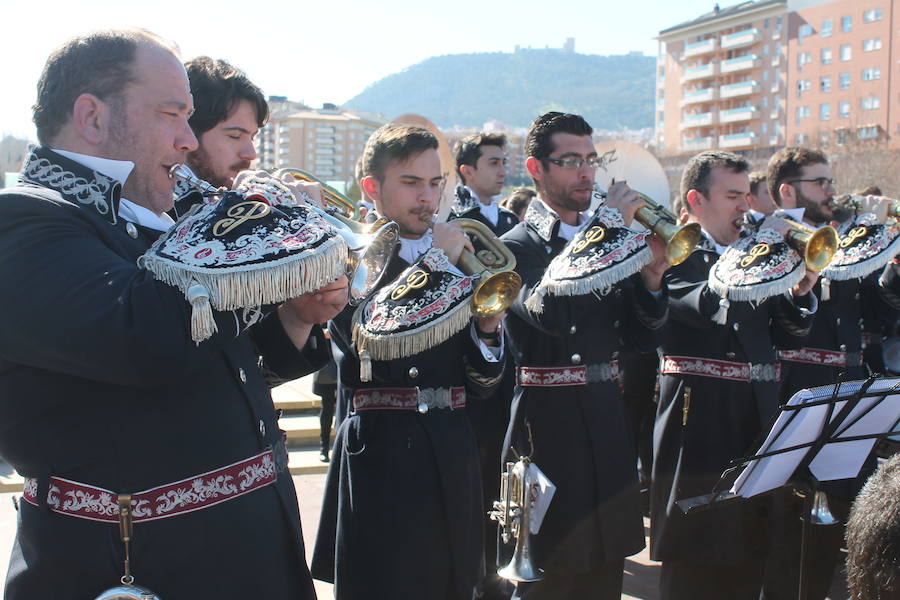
(302, 430)
(301, 461)
(296, 395)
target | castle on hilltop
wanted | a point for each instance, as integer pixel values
(567, 48)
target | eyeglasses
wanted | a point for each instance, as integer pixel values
(575, 162)
(821, 181)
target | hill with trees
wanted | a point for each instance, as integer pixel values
(611, 92)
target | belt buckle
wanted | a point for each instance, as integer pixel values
(421, 405)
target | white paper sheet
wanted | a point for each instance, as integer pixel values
(837, 460)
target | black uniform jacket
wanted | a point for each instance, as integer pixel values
(838, 326)
(694, 440)
(581, 440)
(466, 207)
(402, 514)
(101, 384)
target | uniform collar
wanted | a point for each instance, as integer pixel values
(544, 220)
(81, 184)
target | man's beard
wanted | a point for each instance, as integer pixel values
(812, 209)
(199, 162)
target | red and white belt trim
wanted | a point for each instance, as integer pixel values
(194, 493)
(565, 376)
(419, 399)
(815, 356)
(720, 369)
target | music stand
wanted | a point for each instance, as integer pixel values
(822, 434)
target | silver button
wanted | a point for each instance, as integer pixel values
(242, 375)
(843, 347)
(262, 428)
(616, 324)
(422, 408)
(413, 372)
(576, 358)
(856, 297)
(131, 230)
(736, 327)
(730, 354)
(837, 321)
(706, 258)
(573, 329)
(615, 354)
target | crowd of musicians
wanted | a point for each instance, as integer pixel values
(146, 318)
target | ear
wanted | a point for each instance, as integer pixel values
(693, 198)
(534, 167)
(467, 171)
(371, 187)
(788, 196)
(90, 118)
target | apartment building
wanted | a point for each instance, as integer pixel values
(841, 83)
(325, 142)
(720, 79)
(777, 72)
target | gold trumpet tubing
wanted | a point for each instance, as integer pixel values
(680, 239)
(330, 195)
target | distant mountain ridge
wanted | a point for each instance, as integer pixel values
(611, 92)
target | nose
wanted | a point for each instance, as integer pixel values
(247, 151)
(829, 187)
(185, 140)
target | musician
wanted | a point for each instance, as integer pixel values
(104, 391)
(402, 513)
(711, 406)
(801, 178)
(579, 429)
(518, 201)
(759, 199)
(481, 165)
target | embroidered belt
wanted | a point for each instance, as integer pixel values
(420, 399)
(720, 369)
(193, 493)
(819, 356)
(563, 376)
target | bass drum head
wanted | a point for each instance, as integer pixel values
(636, 166)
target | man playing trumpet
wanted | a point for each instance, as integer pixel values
(403, 511)
(567, 411)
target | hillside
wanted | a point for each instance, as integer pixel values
(469, 89)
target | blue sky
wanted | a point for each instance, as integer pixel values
(328, 51)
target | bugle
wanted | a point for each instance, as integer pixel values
(498, 284)
(816, 246)
(371, 245)
(513, 515)
(330, 196)
(680, 239)
(850, 202)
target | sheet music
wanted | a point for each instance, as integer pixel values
(837, 460)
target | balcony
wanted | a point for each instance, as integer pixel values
(698, 120)
(735, 90)
(699, 72)
(696, 144)
(698, 96)
(741, 63)
(740, 39)
(700, 48)
(733, 115)
(737, 140)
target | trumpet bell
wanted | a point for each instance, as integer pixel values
(521, 568)
(816, 245)
(680, 240)
(495, 293)
(368, 258)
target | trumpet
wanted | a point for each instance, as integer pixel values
(344, 205)
(680, 239)
(371, 245)
(850, 202)
(816, 246)
(498, 284)
(513, 515)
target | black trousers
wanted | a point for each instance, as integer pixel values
(327, 392)
(684, 580)
(604, 583)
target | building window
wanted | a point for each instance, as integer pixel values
(800, 139)
(846, 24)
(824, 138)
(826, 56)
(803, 58)
(778, 22)
(802, 112)
(869, 103)
(846, 51)
(803, 31)
(868, 133)
(827, 25)
(803, 85)
(766, 50)
(841, 136)
(824, 112)
(844, 109)
(872, 44)
(872, 15)
(825, 83)
(765, 76)
(765, 102)
(871, 74)
(763, 128)
(844, 80)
